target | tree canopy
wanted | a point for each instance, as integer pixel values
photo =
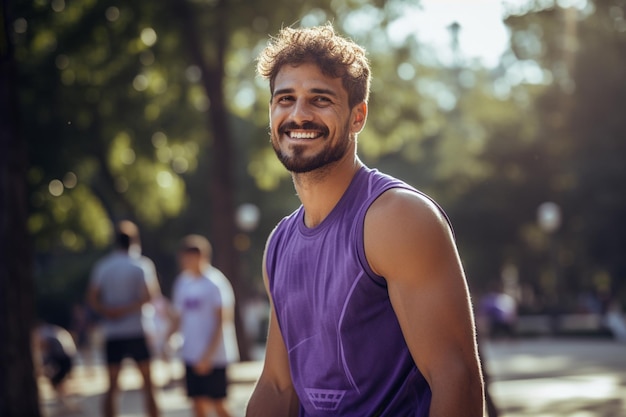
(152, 111)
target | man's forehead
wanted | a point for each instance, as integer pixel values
(307, 76)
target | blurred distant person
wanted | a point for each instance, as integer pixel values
(615, 322)
(121, 283)
(201, 310)
(498, 312)
(55, 352)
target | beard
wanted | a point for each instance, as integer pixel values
(298, 163)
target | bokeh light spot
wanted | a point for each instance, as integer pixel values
(55, 187)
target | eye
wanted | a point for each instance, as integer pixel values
(322, 101)
(284, 99)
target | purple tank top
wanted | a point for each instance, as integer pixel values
(346, 350)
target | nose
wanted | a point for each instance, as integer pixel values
(301, 112)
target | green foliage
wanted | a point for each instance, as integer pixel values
(93, 95)
(567, 148)
(115, 106)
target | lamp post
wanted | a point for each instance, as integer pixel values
(247, 218)
(549, 220)
(549, 216)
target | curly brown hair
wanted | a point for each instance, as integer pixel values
(335, 55)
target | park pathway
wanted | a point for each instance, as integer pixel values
(530, 377)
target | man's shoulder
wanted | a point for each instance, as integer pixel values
(285, 227)
(108, 257)
(209, 280)
(406, 206)
(107, 260)
(378, 180)
(216, 275)
(126, 262)
(223, 284)
(208, 288)
(143, 261)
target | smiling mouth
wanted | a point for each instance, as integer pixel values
(303, 135)
(305, 131)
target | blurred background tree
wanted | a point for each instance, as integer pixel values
(152, 112)
(18, 391)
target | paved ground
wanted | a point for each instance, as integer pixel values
(562, 377)
(532, 377)
(87, 386)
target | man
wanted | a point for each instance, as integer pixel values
(370, 308)
(121, 284)
(498, 313)
(200, 313)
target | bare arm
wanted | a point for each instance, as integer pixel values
(151, 278)
(274, 394)
(93, 298)
(112, 313)
(174, 321)
(205, 365)
(408, 241)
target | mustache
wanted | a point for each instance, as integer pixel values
(305, 126)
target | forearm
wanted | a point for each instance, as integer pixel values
(93, 300)
(268, 400)
(125, 310)
(174, 325)
(118, 312)
(216, 339)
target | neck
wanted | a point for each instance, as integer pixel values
(320, 190)
(195, 271)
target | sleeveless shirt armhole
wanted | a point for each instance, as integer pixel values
(274, 241)
(270, 256)
(360, 228)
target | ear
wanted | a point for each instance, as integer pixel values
(358, 116)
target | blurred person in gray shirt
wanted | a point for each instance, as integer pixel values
(121, 283)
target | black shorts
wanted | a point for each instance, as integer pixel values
(211, 385)
(135, 348)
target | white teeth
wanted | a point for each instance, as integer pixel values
(303, 135)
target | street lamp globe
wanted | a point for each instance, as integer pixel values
(549, 216)
(247, 217)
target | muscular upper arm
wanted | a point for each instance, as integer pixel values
(408, 241)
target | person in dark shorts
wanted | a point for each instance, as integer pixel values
(121, 283)
(211, 385)
(134, 348)
(199, 305)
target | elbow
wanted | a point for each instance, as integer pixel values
(460, 386)
(270, 399)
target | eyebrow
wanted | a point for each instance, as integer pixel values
(313, 90)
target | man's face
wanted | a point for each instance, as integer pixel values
(310, 120)
(189, 260)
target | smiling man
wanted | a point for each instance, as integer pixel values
(370, 310)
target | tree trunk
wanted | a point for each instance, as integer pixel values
(18, 388)
(221, 184)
